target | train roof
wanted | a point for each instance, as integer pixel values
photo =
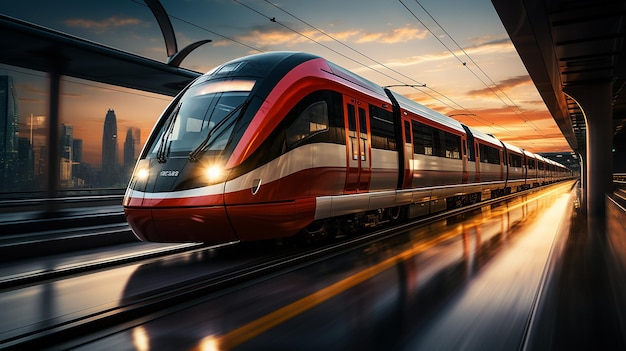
(513, 148)
(419, 109)
(261, 65)
(487, 138)
(529, 154)
(355, 79)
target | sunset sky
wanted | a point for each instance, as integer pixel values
(458, 49)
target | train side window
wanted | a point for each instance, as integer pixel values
(362, 121)
(382, 129)
(489, 154)
(515, 160)
(452, 145)
(423, 139)
(313, 120)
(363, 131)
(407, 132)
(438, 143)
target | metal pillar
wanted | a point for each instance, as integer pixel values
(595, 100)
(53, 134)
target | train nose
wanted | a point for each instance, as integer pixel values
(163, 213)
(209, 225)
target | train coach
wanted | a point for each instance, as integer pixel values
(281, 144)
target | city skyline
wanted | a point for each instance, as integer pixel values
(82, 105)
(24, 150)
(9, 134)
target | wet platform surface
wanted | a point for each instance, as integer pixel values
(472, 283)
(526, 274)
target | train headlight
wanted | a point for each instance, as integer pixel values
(214, 174)
(137, 181)
(142, 174)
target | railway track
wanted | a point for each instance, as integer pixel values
(35, 276)
(173, 296)
(177, 295)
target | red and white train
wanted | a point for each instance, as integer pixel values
(275, 144)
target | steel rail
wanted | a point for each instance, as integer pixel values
(175, 297)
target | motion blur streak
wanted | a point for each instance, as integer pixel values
(208, 344)
(249, 331)
(140, 339)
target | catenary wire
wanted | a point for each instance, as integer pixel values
(519, 112)
(471, 115)
(418, 83)
(481, 70)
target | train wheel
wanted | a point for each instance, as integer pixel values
(317, 232)
(395, 213)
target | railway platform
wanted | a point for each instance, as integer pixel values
(522, 274)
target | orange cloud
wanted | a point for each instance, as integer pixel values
(495, 47)
(101, 25)
(397, 35)
(268, 38)
(265, 38)
(503, 85)
(533, 130)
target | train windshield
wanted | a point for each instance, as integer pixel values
(203, 118)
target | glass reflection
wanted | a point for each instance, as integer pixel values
(100, 133)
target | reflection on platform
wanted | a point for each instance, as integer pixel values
(478, 274)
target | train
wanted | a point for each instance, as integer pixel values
(288, 144)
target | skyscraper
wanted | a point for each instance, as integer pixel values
(66, 155)
(109, 150)
(77, 165)
(132, 148)
(9, 135)
(26, 164)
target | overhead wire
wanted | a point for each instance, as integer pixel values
(494, 84)
(418, 84)
(273, 19)
(456, 56)
(204, 29)
(478, 66)
(470, 115)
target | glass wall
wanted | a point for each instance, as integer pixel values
(23, 127)
(101, 131)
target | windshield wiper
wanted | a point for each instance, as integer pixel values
(164, 148)
(207, 142)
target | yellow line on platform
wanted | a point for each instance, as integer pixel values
(259, 326)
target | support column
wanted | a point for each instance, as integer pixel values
(53, 141)
(56, 66)
(595, 101)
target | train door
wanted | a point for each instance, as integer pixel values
(358, 153)
(477, 163)
(464, 158)
(408, 155)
